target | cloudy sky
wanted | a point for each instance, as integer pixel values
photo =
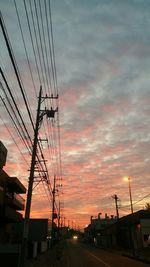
(102, 54)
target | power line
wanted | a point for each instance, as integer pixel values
(49, 44)
(46, 54)
(23, 39)
(22, 121)
(15, 66)
(141, 199)
(38, 39)
(31, 37)
(53, 51)
(41, 45)
(18, 130)
(14, 140)
(16, 72)
(37, 46)
(136, 201)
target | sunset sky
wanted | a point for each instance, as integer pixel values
(102, 55)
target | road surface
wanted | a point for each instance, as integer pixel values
(76, 254)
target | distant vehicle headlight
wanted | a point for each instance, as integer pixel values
(75, 237)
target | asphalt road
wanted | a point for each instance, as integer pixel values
(72, 253)
(76, 254)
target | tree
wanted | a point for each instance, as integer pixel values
(147, 206)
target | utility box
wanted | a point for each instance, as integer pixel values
(3, 155)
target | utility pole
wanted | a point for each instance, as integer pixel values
(30, 185)
(130, 194)
(128, 178)
(53, 209)
(39, 117)
(115, 197)
(59, 215)
(64, 221)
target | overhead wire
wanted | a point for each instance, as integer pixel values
(44, 72)
(5, 34)
(32, 42)
(17, 109)
(14, 64)
(53, 52)
(22, 36)
(36, 41)
(141, 199)
(43, 44)
(18, 130)
(49, 45)
(55, 83)
(134, 203)
(25, 48)
(52, 59)
(46, 52)
(14, 140)
(53, 133)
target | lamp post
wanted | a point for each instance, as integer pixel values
(127, 178)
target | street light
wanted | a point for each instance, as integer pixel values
(127, 178)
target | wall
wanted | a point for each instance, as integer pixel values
(145, 232)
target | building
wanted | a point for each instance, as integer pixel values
(3, 155)
(131, 232)
(11, 201)
(11, 206)
(94, 231)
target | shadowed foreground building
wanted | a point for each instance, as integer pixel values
(11, 204)
(94, 231)
(131, 232)
(11, 220)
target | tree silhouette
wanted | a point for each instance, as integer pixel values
(147, 206)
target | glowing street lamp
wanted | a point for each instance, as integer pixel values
(127, 178)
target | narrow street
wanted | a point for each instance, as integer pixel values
(78, 255)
